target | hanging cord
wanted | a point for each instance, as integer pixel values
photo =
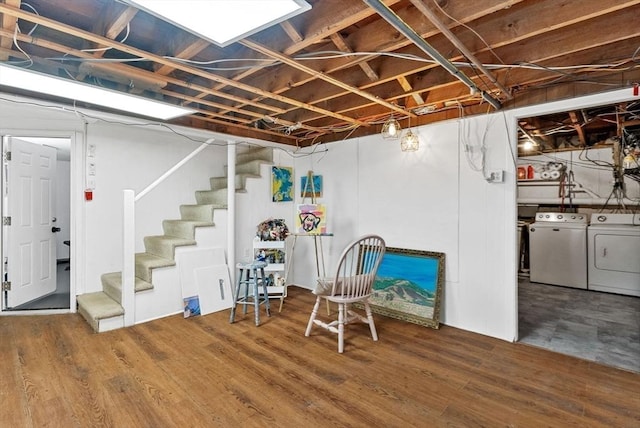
(562, 190)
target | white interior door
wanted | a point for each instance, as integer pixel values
(29, 242)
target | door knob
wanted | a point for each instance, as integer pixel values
(55, 229)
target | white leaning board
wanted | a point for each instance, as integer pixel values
(203, 272)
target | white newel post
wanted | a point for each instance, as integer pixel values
(231, 209)
(128, 263)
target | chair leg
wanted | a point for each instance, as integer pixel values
(314, 313)
(341, 315)
(372, 326)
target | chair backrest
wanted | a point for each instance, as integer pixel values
(358, 266)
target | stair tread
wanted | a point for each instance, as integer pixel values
(176, 240)
(115, 278)
(195, 223)
(100, 306)
(151, 260)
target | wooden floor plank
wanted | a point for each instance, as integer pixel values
(203, 371)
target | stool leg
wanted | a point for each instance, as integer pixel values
(266, 294)
(237, 296)
(256, 297)
(247, 283)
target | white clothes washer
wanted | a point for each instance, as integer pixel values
(614, 253)
(558, 249)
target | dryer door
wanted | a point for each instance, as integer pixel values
(616, 252)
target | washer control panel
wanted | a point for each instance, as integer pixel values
(615, 218)
(556, 217)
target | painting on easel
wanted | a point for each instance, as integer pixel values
(311, 189)
(311, 219)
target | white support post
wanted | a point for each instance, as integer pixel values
(231, 209)
(128, 263)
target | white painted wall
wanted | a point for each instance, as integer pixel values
(127, 156)
(428, 200)
(435, 200)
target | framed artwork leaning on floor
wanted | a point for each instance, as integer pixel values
(408, 286)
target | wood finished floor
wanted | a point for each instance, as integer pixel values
(205, 372)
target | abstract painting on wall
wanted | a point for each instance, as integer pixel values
(311, 219)
(281, 184)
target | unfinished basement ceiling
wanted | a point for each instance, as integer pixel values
(340, 69)
(580, 129)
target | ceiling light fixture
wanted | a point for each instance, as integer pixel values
(391, 129)
(409, 141)
(223, 21)
(71, 90)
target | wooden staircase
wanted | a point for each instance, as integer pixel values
(103, 309)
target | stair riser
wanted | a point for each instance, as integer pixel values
(218, 183)
(216, 197)
(264, 154)
(249, 168)
(196, 212)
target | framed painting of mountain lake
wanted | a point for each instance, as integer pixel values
(408, 286)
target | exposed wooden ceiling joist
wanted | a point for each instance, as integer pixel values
(338, 68)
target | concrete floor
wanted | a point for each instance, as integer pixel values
(592, 325)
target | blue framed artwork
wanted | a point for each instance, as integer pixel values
(408, 286)
(313, 189)
(281, 184)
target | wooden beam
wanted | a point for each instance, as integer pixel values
(291, 31)
(8, 23)
(295, 64)
(165, 61)
(406, 86)
(341, 44)
(575, 122)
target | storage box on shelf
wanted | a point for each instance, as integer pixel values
(274, 253)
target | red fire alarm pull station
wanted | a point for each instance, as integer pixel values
(88, 195)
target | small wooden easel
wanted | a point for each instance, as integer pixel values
(317, 237)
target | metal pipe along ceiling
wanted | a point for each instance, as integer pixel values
(458, 44)
(390, 16)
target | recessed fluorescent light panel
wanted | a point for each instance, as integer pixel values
(223, 21)
(68, 89)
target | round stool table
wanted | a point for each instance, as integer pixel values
(251, 276)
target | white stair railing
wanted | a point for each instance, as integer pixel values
(129, 213)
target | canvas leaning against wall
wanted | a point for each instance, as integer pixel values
(408, 286)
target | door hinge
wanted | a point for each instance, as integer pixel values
(7, 156)
(6, 285)
(6, 221)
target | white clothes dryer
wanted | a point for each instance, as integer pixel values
(614, 253)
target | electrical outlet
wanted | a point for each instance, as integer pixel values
(496, 177)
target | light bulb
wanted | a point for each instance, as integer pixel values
(392, 129)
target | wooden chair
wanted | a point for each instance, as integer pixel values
(352, 282)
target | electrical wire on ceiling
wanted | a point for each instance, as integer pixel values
(258, 63)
